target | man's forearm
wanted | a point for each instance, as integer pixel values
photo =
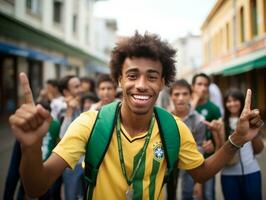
(34, 179)
(257, 144)
(214, 163)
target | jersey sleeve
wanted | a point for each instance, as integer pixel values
(189, 155)
(73, 144)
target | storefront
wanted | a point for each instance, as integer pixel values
(246, 72)
(15, 59)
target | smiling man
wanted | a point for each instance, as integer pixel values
(134, 165)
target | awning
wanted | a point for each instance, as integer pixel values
(98, 69)
(241, 64)
(30, 53)
(245, 67)
(13, 28)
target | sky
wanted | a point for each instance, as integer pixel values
(170, 19)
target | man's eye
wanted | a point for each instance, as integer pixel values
(152, 78)
(132, 76)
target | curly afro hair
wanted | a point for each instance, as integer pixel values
(147, 46)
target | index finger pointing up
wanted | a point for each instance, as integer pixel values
(26, 88)
(248, 100)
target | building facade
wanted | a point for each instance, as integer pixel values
(234, 42)
(188, 56)
(45, 39)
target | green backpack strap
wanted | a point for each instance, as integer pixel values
(170, 136)
(102, 133)
(98, 144)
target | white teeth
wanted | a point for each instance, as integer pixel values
(140, 97)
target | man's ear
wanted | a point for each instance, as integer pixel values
(119, 81)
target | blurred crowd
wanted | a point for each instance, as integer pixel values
(210, 115)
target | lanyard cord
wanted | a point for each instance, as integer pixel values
(120, 150)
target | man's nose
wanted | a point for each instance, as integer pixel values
(106, 91)
(79, 90)
(180, 97)
(141, 83)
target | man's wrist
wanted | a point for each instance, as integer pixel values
(236, 141)
(25, 148)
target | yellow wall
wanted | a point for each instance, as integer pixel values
(218, 32)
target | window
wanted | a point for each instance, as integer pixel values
(227, 36)
(57, 71)
(87, 34)
(34, 7)
(35, 76)
(58, 9)
(8, 84)
(75, 7)
(221, 42)
(254, 18)
(29, 4)
(242, 25)
(75, 23)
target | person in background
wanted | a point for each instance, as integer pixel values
(241, 177)
(87, 100)
(73, 179)
(13, 176)
(69, 86)
(216, 96)
(201, 103)
(106, 91)
(164, 99)
(180, 94)
(143, 65)
(87, 85)
(119, 94)
(49, 141)
(58, 106)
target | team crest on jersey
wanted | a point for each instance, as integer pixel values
(204, 112)
(158, 152)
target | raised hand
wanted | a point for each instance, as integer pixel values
(249, 122)
(73, 102)
(215, 125)
(30, 122)
(208, 146)
(217, 130)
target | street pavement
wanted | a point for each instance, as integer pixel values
(7, 140)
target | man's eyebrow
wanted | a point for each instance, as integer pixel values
(132, 70)
(153, 71)
(137, 70)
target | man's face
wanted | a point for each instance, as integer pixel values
(74, 87)
(141, 81)
(201, 87)
(85, 86)
(87, 104)
(51, 89)
(181, 98)
(106, 92)
(234, 106)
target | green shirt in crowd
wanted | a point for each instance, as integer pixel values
(51, 139)
(210, 112)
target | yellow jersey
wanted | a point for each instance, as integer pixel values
(111, 183)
